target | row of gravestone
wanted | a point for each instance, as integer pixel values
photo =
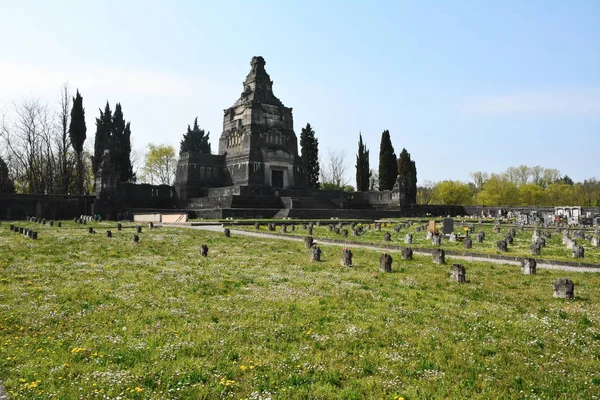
(24, 231)
(42, 221)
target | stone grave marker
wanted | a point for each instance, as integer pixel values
(91, 230)
(150, 225)
(315, 253)
(528, 266)
(429, 235)
(308, 242)
(436, 240)
(467, 243)
(509, 239)
(204, 250)
(227, 232)
(595, 242)
(480, 236)
(345, 233)
(387, 237)
(535, 249)
(408, 238)
(458, 273)
(310, 230)
(502, 245)
(439, 256)
(564, 288)
(385, 263)
(34, 235)
(136, 238)
(256, 226)
(284, 228)
(577, 251)
(138, 229)
(119, 226)
(346, 259)
(407, 253)
(109, 233)
(396, 228)
(336, 230)
(452, 237)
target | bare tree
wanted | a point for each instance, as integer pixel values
(333, 169)
(65, 156)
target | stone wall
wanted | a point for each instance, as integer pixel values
(19, 206)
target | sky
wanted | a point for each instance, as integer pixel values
(464, 86)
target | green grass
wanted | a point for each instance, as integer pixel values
(554, 249)
(85, 316)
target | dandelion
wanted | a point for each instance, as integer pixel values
(138, 389)
(243, 367)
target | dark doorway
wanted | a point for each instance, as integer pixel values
(277, 179)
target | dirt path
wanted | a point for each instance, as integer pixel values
(219, 228)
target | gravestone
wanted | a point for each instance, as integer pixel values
(387, 237)
(564, 288)
(577, 251)
(345, 233)
(355, 232)
(480, 236)
(571, 243)
(407, 253)
(429, 235)
(51, 223)
(12, 227)
(431, 227)
(138, 229)
(436, 240)
(346, 259)
(330, 227)
(396, 228)
(292, 227)
(310, 230)
(458, 273)
(150, 225)
(528, 266)
(284, 229)
(136, 238)
(315, 253)
(119, 226)
(271, 227)
(509, 239)
(502, 245)
(452, 237)
(34, 235)
(448, 226)
(579, 235)
(595, 242)
(467, 243)
(541, 242)
(513, 232)
(108, 233)
(21, 230)
(256, 226)
(497, 228)
(439, 256)
(204, 250)
(408, 238)
(227, 232)
(91, 230)
(535, 249)
(76, 220)
(385, 263)
(336, 230)
(308, 242)
(547, 235)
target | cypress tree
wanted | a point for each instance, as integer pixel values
(120, 146)
(77, 134)
(388, 169)
(102, 138)
(309, 146)
(195, 140)
(407, 176)
(363, 173)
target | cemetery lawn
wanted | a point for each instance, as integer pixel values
(554, 249)
(91, 317)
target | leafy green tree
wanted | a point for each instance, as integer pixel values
(77, 134)
(120, 146)
(388, 169)
(363, 173)
(407, 176)
(451, 193)
(160, 164)
(498, 191)
(531, 195)
(6, 184)
(309, 147)
(195, 140)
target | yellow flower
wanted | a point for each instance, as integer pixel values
(243, 367)
(252, 367)
(138, 389)
(22, 380)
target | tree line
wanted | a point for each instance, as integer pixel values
(517, 186)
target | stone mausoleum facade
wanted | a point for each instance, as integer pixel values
(258, 149)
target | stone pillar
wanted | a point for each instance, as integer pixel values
(204, 250)
(458, 273)
(315, 253)
(528, 266)
(346, 259)
(385, 263)
(564, 288)
(439, 256)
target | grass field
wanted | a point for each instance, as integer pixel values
(86, 316)
(554, 249)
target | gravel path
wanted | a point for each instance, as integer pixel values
(3, 394)
(219, 228)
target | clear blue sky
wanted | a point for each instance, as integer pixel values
(463, 85)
